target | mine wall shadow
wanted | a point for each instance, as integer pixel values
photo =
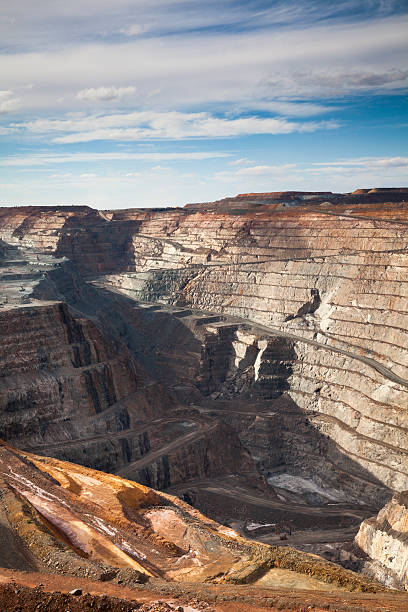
(12, 551)
(150, 336)
(306, 452)
(297, 444)
(157, 340)
(98, 248)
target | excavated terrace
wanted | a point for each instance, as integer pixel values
(138, 342)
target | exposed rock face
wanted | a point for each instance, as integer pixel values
(69, 391)
(53, 363)
(384, 539)
(62, 380)
(272, 320)
(77, 232)
(87, 523)
(332, 279)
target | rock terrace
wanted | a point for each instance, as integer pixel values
(139, 342)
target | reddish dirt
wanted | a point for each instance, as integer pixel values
(22, 591)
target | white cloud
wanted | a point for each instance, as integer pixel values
(279, 70)
(359, 79)
(333, 81)
(259, 170)
(171, 125)
(88, 175)
(42, 159)
(8, 103)
(262, 69)
(104, 94)
(240, 162)
(8, 106)
(339, 175)
(293, 109)
(362, 172)
(133, 30)
(78, 19)
(368, 162)
(113, 189)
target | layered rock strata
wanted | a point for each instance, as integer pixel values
(310, 300)
(59, 373)
(384, 539)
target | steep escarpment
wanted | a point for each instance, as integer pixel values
(77, 232)
(274, 321)
(241, 375)
(384, 540)
(59, 373)
(75, 391)
(332, 280)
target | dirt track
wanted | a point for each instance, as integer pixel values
(131, 469)
(225, 488)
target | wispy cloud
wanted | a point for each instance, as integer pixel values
(242, 161)
(289, 108)
(41, 159)
(104, 94)
(271, 84)
(8, 102)
(135, 29)
(141, 186)
(266, 169)
(367, 162)
(287, 70)
(171, 125)
(27, 24)
(340, 175)
(334, 82)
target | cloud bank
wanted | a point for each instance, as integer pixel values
(237, 95)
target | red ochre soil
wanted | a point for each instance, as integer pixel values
(57, 508)
(20, 591)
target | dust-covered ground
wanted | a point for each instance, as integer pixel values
(21, 592)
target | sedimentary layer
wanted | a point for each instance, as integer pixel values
(384, 539)
(308, 294)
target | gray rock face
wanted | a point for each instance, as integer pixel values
(333, 286)
(284, 324)
(384, 539)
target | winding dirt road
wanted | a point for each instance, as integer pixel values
(131, 469)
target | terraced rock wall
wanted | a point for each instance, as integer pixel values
(335, 283)
(79, 233)
(58, 374)
(323, 288)
(70, 391)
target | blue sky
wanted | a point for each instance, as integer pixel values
(118, 103)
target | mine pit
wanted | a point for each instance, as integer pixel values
(251, 364)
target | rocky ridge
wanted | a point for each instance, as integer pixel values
(384, 540)
(83, 522)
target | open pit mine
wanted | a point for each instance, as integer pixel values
(206, 408)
